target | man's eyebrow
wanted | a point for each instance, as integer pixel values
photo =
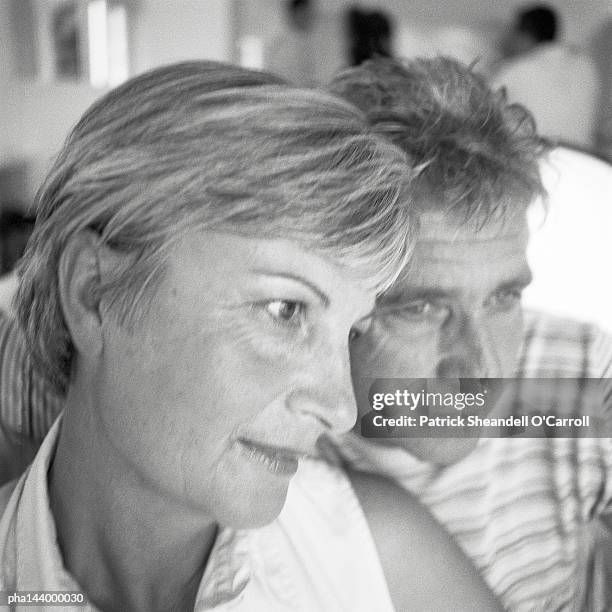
(297, 278)
(409, 294)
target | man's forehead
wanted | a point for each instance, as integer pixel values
(450, 254)
(450, 227)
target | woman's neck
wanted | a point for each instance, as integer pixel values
(126, 545)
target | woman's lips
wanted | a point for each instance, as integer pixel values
(278, 461)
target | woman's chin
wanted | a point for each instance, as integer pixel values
(255, 508)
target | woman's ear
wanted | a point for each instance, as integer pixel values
(79, 283)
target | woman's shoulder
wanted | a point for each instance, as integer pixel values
(423, 566)
(320, 548)
(6, 491)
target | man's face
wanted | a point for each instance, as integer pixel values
(238, 367)
(454, 313)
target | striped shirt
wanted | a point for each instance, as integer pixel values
(528, 511)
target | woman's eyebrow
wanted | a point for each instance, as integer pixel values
(297, 278)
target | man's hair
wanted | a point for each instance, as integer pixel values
(203, 145)
(478, 154)
(539, 22)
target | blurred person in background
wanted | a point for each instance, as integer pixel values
(370, 35)
(532, 513)
(293, 54)
(559, 84)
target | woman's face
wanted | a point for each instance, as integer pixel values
(238, 367)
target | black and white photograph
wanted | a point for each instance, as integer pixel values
(306, 306)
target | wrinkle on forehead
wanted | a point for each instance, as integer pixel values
(448, 255)
(447, 227)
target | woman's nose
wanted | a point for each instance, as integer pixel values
(326, 393)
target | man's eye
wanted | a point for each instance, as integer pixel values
(418, 308)
(285, 311)
(358, 331)
(423, 310)
(360, 328)
(505, 299)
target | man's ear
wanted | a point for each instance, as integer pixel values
(81, 265)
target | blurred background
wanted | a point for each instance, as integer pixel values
(58, 56)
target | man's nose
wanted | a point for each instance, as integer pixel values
(326, 393)
(467, 349)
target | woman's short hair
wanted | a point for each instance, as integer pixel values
(203, 145)
(479, 154)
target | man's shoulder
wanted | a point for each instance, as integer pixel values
(564, 347)
(550, 329)
(548, 322)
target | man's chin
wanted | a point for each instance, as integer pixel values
(439, 451)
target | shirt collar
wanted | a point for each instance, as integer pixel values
(38, 562)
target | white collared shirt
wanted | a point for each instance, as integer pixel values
(291, 564)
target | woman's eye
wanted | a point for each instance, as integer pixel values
(285, 311)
